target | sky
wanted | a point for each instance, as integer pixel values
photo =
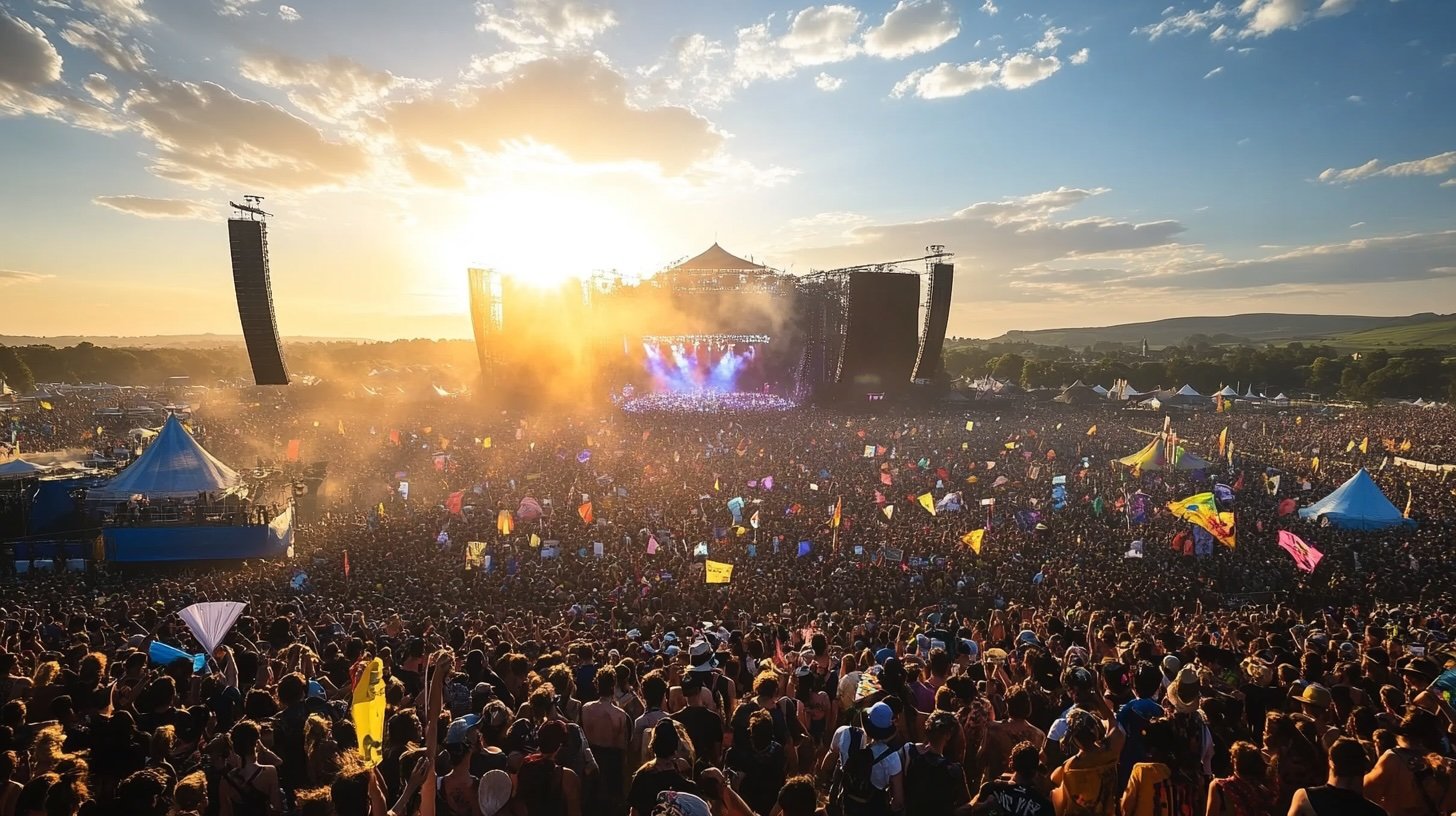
(1088, 163)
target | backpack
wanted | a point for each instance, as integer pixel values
(930, 782)
(539, 786)
(853, 790)
(251, 801)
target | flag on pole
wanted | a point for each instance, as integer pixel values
(927, 501)
(341, 427)
(585, 511)
(973, 540)
(889, 511)
(346, 565)
(505, 522)
(486, 443)
(1223, 441)
(970, 426)
(1350, 446)
(1409, 497)
(46, 406)
(1092, 431)
(1365, 445)
(1306, 558)
(368, 712)
(1314, 465)
(717, 572)
(838, 516)
(294, 448)
(455, 502)
(1201, 509)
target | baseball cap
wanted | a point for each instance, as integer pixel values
(880, 721)
(459, 728)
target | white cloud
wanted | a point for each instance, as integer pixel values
(1355, 99)
(1438, 165)
(331, 89)
(121, 13)
(1080, 57)
(577, 107)
(913, 27)
(289, 14)
(1215, 72)
(946, 80)
(1050, 40)
(823, 34)
(100, 88)
(148, 207)
(234, 8)
(558, 23)
(1449, 183)
(204, 135)
(989, 8)
(10, 277)
(1357, 225)
(29, 64)
(1186, 23)
(126, 57)
(827, 83)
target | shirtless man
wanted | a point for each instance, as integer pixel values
(608, 731)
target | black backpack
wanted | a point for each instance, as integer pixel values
(251, 801)
(930, 782)
(853, 792)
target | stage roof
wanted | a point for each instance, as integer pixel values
(175, 466)
(717, 259)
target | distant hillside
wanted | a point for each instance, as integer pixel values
(1440, 332)
(1245, 328)
(192, 341)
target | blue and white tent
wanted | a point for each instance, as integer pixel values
(175, 466)
(1357, 504)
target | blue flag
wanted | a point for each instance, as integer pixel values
(805, 547)
(1202, 542)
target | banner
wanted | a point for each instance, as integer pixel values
(717, 572)
(1202, 510)
(294, 446)
(585, 511)
(838, 517)
(368, 712)
(474, 555)
(1306, 558)
(505, 522)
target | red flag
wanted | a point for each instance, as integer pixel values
(394, 436)
(886, 479)
(455, 501)
(294, 446)
(346, 565)
(585, 511)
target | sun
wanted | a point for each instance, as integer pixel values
(545, 236)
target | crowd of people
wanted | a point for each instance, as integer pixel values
(538, 598)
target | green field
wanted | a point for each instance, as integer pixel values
(1437, 333)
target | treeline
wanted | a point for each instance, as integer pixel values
(1294, 369)
(23, 366)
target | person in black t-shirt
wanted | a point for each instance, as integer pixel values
(1343, 794)
(1017, 795)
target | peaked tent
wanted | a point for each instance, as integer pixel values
(1078, 393)
(1154, 458)
(175, 466)
(20, 469)
(1227, 391)
(1101, 392)
(1188, 391)
(1357, 504)
(1280, 400)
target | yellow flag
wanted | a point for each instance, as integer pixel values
(1350, 446)
(1405, 445)
(1010, 446)
(535, 541)
(368, 712)
(1409, 497)
(485, 443)
(426, 430)
(928, 502)
(1314, 465)
(1231, 454)
(716, 486)
(973, 540)
(1365, 445)
(1092, 431)
(717, 572)
(46, 406)
(444, 443)
(505, 522)
(341, 427)
(970, 426)
(1223, 441)
(1299, 420)
(889, 511)
(838, 517)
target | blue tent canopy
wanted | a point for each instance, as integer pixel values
(175, 466)
(1357, 504)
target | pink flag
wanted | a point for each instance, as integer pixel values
(766, 483)
(652, 545)
(886, 479)
(1305, 557)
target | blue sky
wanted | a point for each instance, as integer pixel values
(1088, 163)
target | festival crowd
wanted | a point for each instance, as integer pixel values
(536, 594)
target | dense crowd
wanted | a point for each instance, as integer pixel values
(862, 659)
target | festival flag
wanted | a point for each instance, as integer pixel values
(1350, 447)
(1201, 509)
(454, 503)
(1306, 558)
(341, 427)
(889, 511)
(886, 478)
(368, 712)
(970, 426)
(1299, 420)
(1223, 441)
(535, 541)
(444, 443)
(1409, 497)
(394, 436)
(585, 511)
(1092, 431)
(1231, 454)
(346, 565)
(294, 446)
(1314, 465)
(838, 517)
(927, 501)
(46, 406)
(753, 520)
(1365, 445)
(474, 555)
(973, 540)
(652, 545)
(717, 572)
(505, 522)
(805, 547)
(766, 483)
(485, 443)
(717, 486)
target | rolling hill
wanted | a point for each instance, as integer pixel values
(1354, 331)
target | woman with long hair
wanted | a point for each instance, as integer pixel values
(1246, 791)
(1295, 761)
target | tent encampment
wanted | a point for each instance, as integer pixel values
(20, 469)
(175, 466)
(1357, 504)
